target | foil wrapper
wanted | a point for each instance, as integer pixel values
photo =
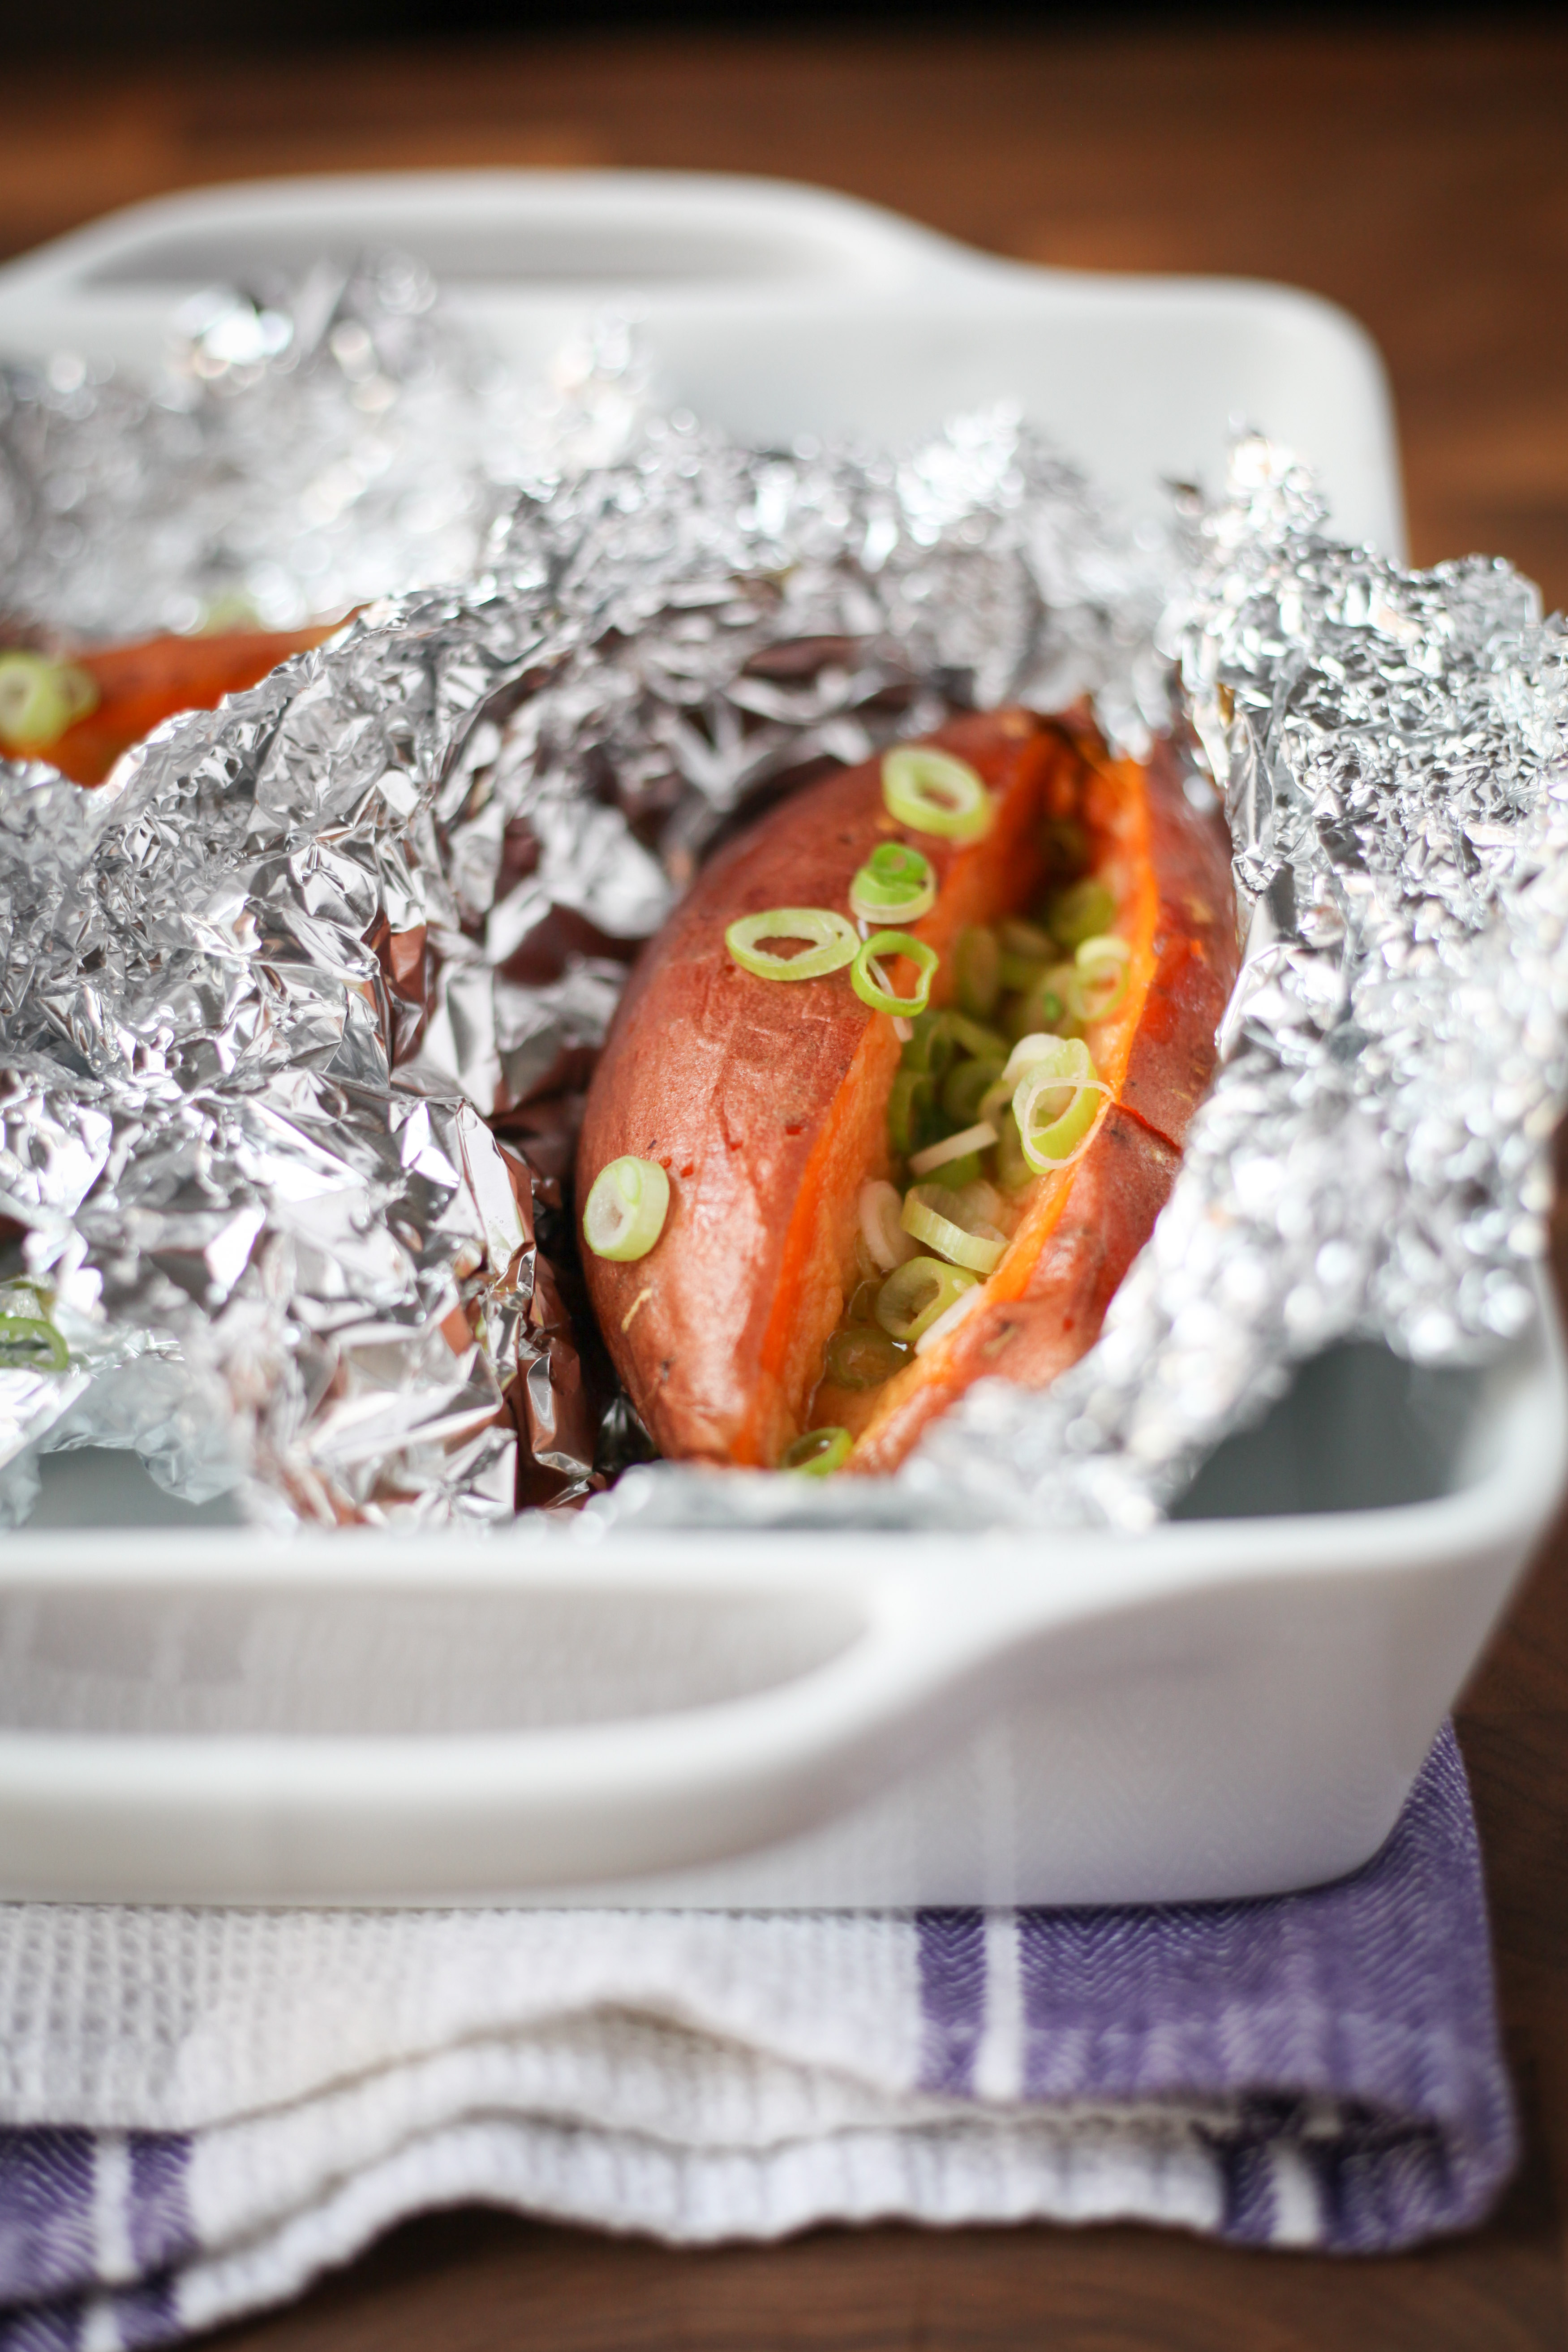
(303, 449)
(298, 1009)
(1373, 1160)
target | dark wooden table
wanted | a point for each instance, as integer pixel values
(1420, 177)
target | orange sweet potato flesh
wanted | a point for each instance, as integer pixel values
(766, 1102)
(142, 685)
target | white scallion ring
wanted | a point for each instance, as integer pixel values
(626, 1209)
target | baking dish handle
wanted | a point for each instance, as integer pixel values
(507, 1812)
(545, 235)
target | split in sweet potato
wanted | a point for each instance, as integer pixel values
(768, 1104)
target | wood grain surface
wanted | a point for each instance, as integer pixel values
(1420, 177)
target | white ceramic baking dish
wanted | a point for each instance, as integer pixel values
(1233, 1703)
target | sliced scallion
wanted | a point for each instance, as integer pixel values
(863, 1359)
(978, 1137)
(1081, 912)
(896, 884)
(880, 1208)
(870, 981)
(912, 1106)
(29, 1340)
(931, 791)
(1099, 976)
(833, 942)
(1037, 1046)
(965, 1087)
(1047, 1003)
(627, 1206)
(980, 1201)
(977, 970)
(948, 1322)
(1025, 950)
(1055, 1104)
(818, 1453)
(931, 1044)
(40, 699)
(934, 1215)
(1013, 1171)
(914, 1294)
(972, 1036)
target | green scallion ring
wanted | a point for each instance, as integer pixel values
(1026, 953)
(1013, 1171)
(910, 1109)
(977, 970)
(1099, 976)
(1067, 1073)
(39, 698)
(947, 1322)
(932, 1213)
(46, 1351)
(962, 1146)
(973, 1036)
(872, 992)
(930, 1046)
(1049, 1005)
(966, 1085)
(915, 1293)
(1082, 911)
(931, 791)
(818, 1453)
(896, 884)
(863, 1359)
(834, 942)
(626, 1209)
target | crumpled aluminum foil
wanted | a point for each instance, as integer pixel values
(304, 449)
(262, 985)
(1373, 1158)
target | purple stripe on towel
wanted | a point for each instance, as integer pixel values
(952, 1948)
(145, 2315)
(160, 2231)
(1371, 1997)
(46, 2212)
(57, 2327)
(49, 2255)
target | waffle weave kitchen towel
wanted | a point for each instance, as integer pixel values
(201, 2109)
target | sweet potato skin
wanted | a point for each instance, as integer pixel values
(766, 1102)
(142, 685)
(732, 1082)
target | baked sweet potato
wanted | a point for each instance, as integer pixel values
(753, 1317)
(127, 690)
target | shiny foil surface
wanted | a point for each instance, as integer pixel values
(1374, 1158)
(299, 1007)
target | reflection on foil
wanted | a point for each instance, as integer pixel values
(302, 451)
(297, 1010)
